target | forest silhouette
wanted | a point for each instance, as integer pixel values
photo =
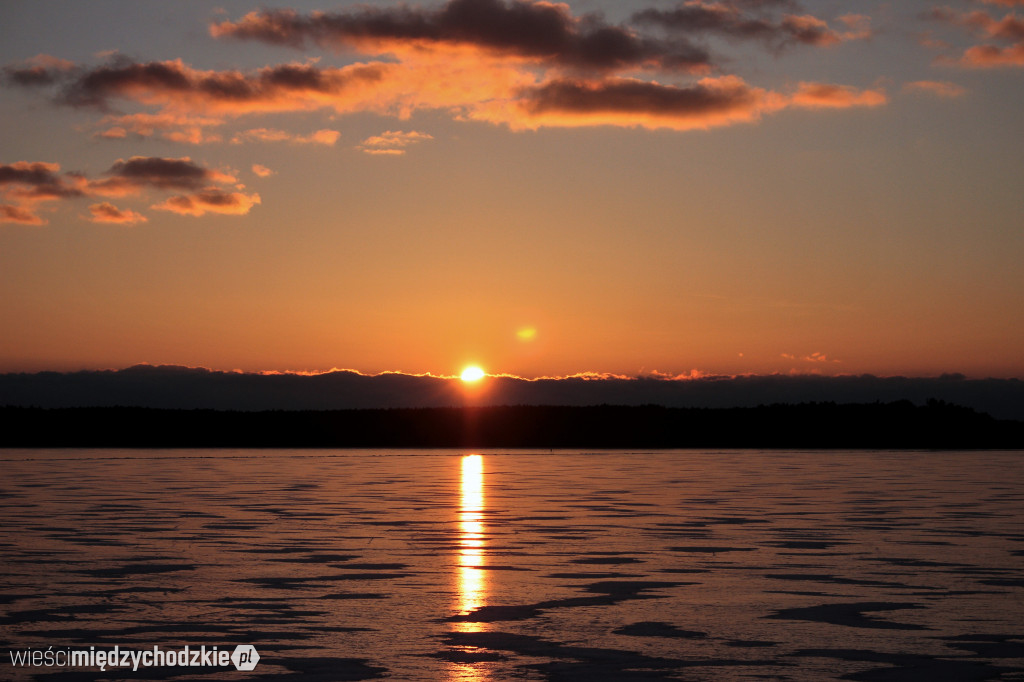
(901, 424)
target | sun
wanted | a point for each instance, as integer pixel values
(472, 373)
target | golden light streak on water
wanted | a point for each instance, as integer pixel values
(471, 580)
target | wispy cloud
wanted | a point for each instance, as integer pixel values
(175, 127)
(735, 21)
(325, 137)
(828, 96)
(991, 56)
(858, 27)
(815, 357)
(108, 213)
(19, 214)
(940, 88)
(40, 70)
(1007, 32)
(211, 200)
(393, 142)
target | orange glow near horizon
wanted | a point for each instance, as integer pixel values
(272, 210)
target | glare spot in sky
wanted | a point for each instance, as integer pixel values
(527, 334)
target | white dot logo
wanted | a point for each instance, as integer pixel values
(245, 657)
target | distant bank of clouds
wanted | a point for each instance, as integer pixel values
(188, 388)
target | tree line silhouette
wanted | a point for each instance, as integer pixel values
(935, 425)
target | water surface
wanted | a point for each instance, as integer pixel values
(452, 565)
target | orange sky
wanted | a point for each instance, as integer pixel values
(727, 187)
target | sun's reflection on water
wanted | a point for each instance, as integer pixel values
(472, 579)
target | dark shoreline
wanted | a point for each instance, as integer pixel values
(897, 425)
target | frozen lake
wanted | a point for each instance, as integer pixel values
(476, 566)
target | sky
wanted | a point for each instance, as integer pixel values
(633, 188)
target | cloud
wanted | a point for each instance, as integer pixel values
(115, 133)
(108, 213)
(183, 94)
(829, 96)
(393, 142)
(988, 55)
(453, 82)
(190, 129)
(632, 102)
(927, 39)
(29, 182)
(991, 56)
(180, 89)
(508, 62)
(212, 200)
(813, 357)
(175, 127)
(730, 20)
(19, 214)
(324, 137)
(138, 172)
(809, 30)
(542, 32)
(684, 376)
(940, 88)
(261, 171)
(708, 103)
(165, 173)
(858, 27)
(27, 172)
(41, 70)
(1010, 27)
(192, 135)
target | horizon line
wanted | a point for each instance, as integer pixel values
(589, 375)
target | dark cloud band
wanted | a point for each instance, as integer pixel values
(541, 31)
(189, 388)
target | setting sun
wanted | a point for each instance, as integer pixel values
(472, 374)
